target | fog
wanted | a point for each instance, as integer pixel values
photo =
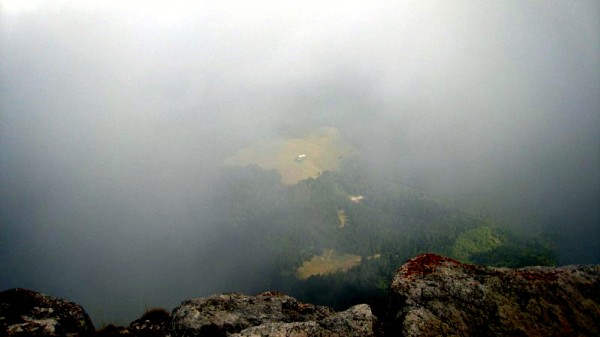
(115, 120)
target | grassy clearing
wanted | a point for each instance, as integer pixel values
(342, 217)
(328, 262)
(323, 149)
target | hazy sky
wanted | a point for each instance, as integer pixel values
(115, 115)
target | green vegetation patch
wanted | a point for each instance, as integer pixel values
(296, 159)
(328, 262)
(488, 246)
(474, 241)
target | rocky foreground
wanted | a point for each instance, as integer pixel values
(429, 296)
(436, 296)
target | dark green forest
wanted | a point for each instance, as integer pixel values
(272, 229)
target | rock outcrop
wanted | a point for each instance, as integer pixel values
(436, 296)
(429, 296)
(154, 323)
(268, 314)
(28, 313)
(354, 322)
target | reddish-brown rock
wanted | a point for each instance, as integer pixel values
(436, 296)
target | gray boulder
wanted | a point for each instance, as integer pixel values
(267, 314)
(436, 296)
(28, 313)
(354, 322)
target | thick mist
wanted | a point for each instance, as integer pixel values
(115, 120)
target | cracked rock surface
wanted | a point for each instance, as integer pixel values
(436, 296)
(28, 313)
(267, 314)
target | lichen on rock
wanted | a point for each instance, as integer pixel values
(267, 314)
(28, 313)
(434, 296)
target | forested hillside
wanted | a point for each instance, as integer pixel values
(351, 230)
